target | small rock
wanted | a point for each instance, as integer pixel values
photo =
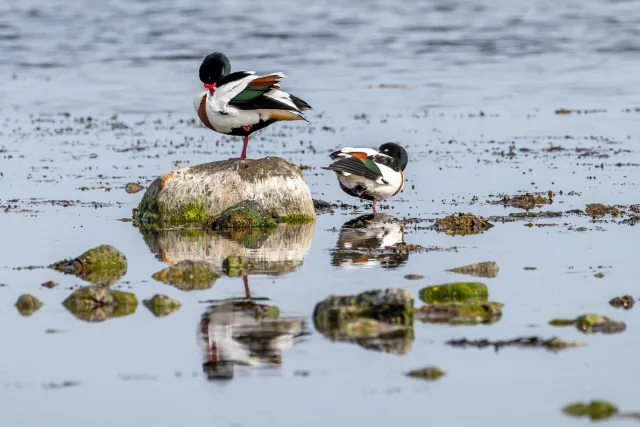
(530, 268)
(430, 373)
(598, 209)
(103, 265)
(599, 275)
(625, 302)
(526, 201)
(592, 323)
(50, 284)
(188, 275)
(479, 269)
(28, 304)
(133, 187)
(462, 224)
(414, 277)
(161, 305)
(454, 292)
(596, 410)
(97, 303)
(301, 373)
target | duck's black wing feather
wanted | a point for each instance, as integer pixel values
(360, 167)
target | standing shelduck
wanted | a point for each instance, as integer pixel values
(370, 174)
(241, 103)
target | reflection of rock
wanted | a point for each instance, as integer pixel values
(161, 305)
(592, 323)
(275, 251)
(596, 410)
(28, 304)
(103, 265)
(379, 320)
(188, 275)
(468, 313)
(478, 269)
(97, 304)
(242, 332)
(367, 241)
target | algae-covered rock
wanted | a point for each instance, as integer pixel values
(188, 275)
(598, 209)
(196, 195)
(596, 410)
(455, 292)
(430, 373)
(526, 201)
(627, 302)
(467, 313)
(103, 265)
(236, 266)
(478, 269)
(97, 303)
(394, 306)
(161, 305)
(133, 187)
(592, 323)
(244, 215)
(379, 320)
(462, 224)
(28, 304)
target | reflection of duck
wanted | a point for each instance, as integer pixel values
(241, 332)
(277, 251)
(363, 242)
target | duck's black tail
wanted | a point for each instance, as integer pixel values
(302, 105)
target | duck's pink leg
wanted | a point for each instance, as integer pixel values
(245, 141)
(374, 206)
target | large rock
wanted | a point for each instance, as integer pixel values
(198, 195)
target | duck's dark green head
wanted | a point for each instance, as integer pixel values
(392, 149)
(214, 67)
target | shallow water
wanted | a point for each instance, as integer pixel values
(514, 62)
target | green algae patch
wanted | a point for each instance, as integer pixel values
(455, 292)
(592, 323)
(430, 373)
(237, 266)
(462, 224)
(28, 304)
(102, 265)
(153, 214)
(598, 210)
(595, 410)
(526, 201)
(97, 303)
(162, 305)
(479, 269)
(467, 313)
(188, 275)
(296, 219)
(244, 215)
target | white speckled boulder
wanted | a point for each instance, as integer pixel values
(197, 195)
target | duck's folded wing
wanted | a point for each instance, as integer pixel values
(357, 166)
(264, 93)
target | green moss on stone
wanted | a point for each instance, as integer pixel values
(188, 275)
(28, 304)
(296, 219)
(596, 410)
(455, 292)
(96, 303)
(162, 305)
(467, 313)
(592, 323)
(103, 265)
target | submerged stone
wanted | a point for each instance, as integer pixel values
(103, 265)
(197, 195)
(161, 305)
(455, 292)
(188, 275)
(627, 302)
(430, 373)
(592, 323)
(478, 269)
(133, 187)
(28, 304)
(526, 201)
(467, 313)
(596, 410)
(462, 224)
(97, 303)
